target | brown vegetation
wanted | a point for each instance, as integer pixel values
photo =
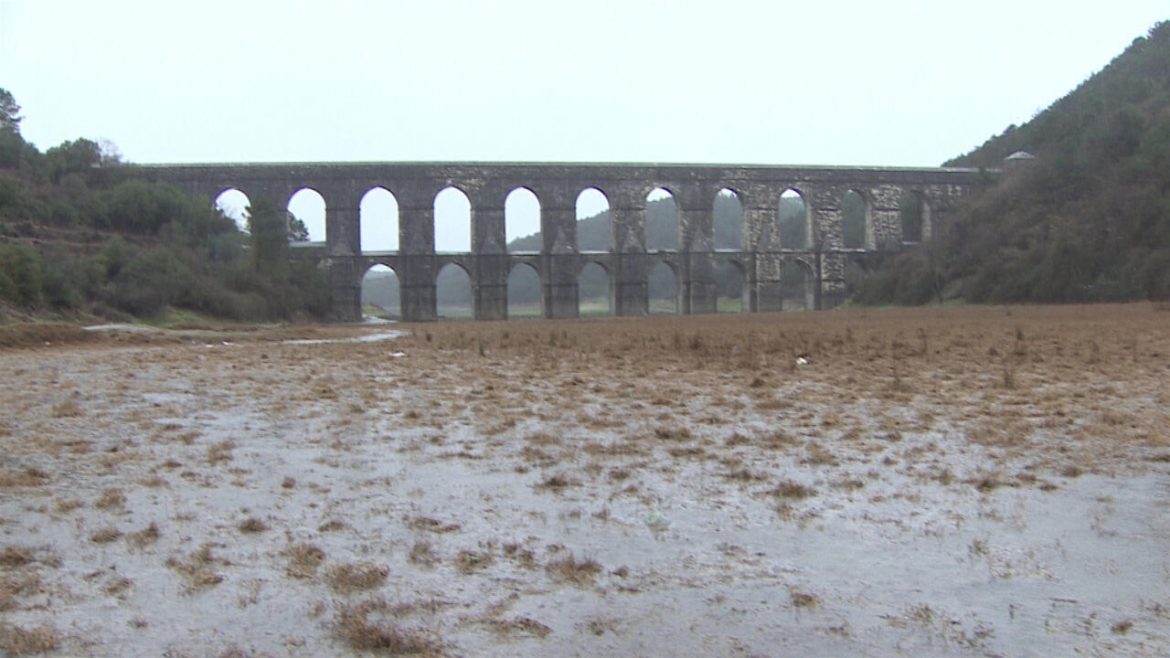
(350, 577)
(20, 641)
(569, 569)
(364, 627)
(303, 560)
(252, 526)
(29, 477)
(110, 499)
(199, 568)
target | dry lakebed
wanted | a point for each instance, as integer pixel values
(929, 482)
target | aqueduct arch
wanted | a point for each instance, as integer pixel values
(694, 190)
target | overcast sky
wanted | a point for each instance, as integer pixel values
(813, 82)
(899, 82)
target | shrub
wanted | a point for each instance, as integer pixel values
(20, 275)
(144, 286)
(146, 208)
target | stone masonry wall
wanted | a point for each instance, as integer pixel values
(557, 186)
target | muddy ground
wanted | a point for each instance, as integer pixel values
(958, 482)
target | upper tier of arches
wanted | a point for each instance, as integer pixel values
(499, 209)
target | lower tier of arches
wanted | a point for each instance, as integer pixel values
(495, 287)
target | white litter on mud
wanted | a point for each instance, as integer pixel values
(364, 338)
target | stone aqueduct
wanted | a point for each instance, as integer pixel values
(559, 262)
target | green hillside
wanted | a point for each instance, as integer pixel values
(1087, 220)
(78, 239)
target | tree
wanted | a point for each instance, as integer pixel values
(910, 215)
(11, 143)
(297, 231)
(11, 149)
(146, 208)
(9, 112)
(20, 275)
(269, 235)
(793, 217)
(72, 157)
(108, 153)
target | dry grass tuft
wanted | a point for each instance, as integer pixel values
(778, 440)
(523, 626)
(236, 652)
(29, 477)
(986, 483)
(428, 524)
(18, 641)
(849, 484)
(694, 452)
(154, 482)
(619, 474)
(744, 474)
(66, 505)
(543, 439)
(15, 585)
(522, 556)
(354, 576)
(1008, 378)
(471, 561)
(118, 586)
(801, 599)
(571, 570)
(818, 455)
(110, 499)
(303, 560)
(558, 482)
(144, 537)
(67, 409)
(792, 490)
(672, 433)
(106, 535)
(198, 568)
(333, 525)
(252, 526)
(421, 552)
(16, 556)
(220, 452)
(356, 626)
(922, 614)
(736, 439)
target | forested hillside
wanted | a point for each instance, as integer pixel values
(77, 239)
(1087, 220)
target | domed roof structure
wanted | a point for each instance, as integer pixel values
(1018, 160)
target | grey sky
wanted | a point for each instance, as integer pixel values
(898, 82)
